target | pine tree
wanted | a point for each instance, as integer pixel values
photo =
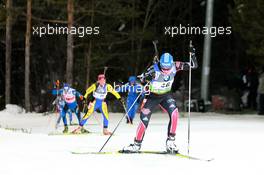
(8, 51)
(27, 56)
(247, 19)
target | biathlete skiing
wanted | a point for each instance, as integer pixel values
(99, 90)
(160, 77)
(59, 103)
(67, 103)
(132, 88)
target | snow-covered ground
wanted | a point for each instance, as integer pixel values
(234, 141)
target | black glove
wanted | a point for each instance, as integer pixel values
(192, 50)
(155, 59)
(141, 77)
(194, 60)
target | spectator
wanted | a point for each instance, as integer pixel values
(261, 93)
(253, 86)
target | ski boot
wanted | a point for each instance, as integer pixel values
(106, 132)
(129, 121)
(66, 129)
(132, 148)
(84, 130)
(171, 146)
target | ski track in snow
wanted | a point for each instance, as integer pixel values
(234, 141)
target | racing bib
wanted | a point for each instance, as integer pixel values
(162, 83)
(160, 87)
(100, 93)
(68, 96)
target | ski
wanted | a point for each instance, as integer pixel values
(178, 154)
(70, 133)
(146, 152)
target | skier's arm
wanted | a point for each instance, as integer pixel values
(148, 75)
(56, 88)
(56, 92)
(79, 95)
(90, 90)
(113, 91)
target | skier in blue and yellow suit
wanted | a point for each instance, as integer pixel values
(99, 90)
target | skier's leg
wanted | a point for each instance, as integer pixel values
(89, 112)
(169, 104)
(134, 111)
(145, 115)
(261, 104)
(63, 116)
(78, 114)
(85, 118)
(105, 114)
(131, 111)
(73, 108)
(70, 116)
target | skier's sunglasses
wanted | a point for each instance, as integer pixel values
(166, 69)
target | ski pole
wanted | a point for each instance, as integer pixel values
(155, 42)
(189, 105)
(57, 83)
(121, 120)
(156, 57)
(127, 112)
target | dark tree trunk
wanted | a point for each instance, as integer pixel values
(27, 57)
(88, 63)
(8, 52)
(69, 64)
(89, 51)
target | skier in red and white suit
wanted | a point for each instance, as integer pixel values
(160, 77)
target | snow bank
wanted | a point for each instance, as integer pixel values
(14, 109)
